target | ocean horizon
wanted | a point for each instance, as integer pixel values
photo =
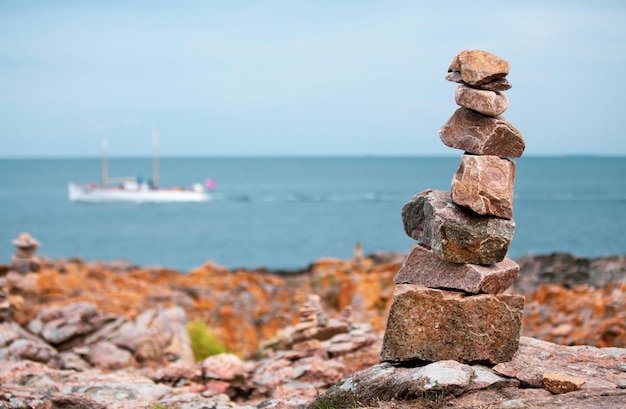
(284, 212)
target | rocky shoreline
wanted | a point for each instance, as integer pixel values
(89, 334)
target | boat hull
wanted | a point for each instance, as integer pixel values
(98, 194)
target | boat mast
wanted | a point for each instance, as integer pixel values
(155, 159)
(104, 162)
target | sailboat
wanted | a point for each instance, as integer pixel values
(135, 190)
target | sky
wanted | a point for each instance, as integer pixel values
(306, 78)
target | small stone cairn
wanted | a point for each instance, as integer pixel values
(449, 301)
(24, 260)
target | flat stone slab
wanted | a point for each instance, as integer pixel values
(485, 184)
(562, 383)
(482, 135)
(434, 325)
(601, 368)
(499, 84)
(424, 268)
(453, 233)
(492, 103)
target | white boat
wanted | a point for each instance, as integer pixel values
(131, 190)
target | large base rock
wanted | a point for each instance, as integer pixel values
(424, 268)
(435, 325)
(516, 384)
(456, 234)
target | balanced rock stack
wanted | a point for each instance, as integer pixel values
(449, 301)
(24, 260)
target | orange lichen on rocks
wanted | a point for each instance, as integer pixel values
(242, 308)
(365, 287)
(581, 315)
(245, 308)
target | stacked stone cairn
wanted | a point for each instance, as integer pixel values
(24, 261)
(449, 301)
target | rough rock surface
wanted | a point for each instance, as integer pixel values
(453, 233)
(588, 310)
(485, 184)
(578, 316)
(562, 383)
(292, 376)
(478, 67)
(499, 84)
(424, 268)
(491, 103)
(569, 271)
(432, 325)
(110, 342)
(518, 384)
(482, 135)
(289, 376)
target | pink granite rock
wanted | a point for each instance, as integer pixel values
(25, 246)
(482, 135)
(499, 84)
(454, 233)
(433, 325)
(562, 383)
(485, 184)
(478, 67)
(225, 367)
(57, 325)
(424, 268)
(491, 103)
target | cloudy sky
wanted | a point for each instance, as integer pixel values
(360, 77)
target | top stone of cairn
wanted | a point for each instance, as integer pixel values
(478, 67)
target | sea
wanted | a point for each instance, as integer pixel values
(284, 213)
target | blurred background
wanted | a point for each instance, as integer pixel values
(316, 120)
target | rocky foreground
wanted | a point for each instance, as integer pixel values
(93, 335)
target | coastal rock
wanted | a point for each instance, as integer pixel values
(106, 355)
(535, 358)
(485, 184)
(578, 316)
(478, 67)
(155, 336)
(434, 325)
(569, 271)
(17, 344)
(527, 368)
(499, 84)
(387, 382)
(562, 383)
(482, 135)
(169, 327)
(424, 268)
(57, 325)
(491, 103)
(455, 234)
(109, 342)
(6, 308)
(224, 366)
(175, 373)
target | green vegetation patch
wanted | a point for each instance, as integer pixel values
(203, 342)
